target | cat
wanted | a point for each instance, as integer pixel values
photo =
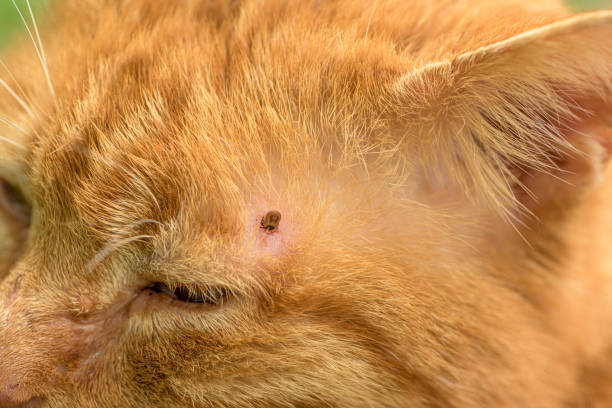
(315, 203)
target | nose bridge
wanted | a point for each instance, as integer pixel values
(43, 345)
(24, 352)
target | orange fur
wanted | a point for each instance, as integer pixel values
(440, 171)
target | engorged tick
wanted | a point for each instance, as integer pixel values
(271, 220)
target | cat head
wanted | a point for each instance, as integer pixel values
(282, 204)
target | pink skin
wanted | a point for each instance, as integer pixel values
(266, 243)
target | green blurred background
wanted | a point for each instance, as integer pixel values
(9, 18)
(589, 4)
(10, 21)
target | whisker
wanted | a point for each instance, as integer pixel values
(109, 249)
(27, 27)
(40, 58)
(18, 128)
(370, 20)
(25, 98)
(25, 101)
(13, 143)
(17, 98)
(135, 179)
(14, 126)
(114, 243)
(42, 51)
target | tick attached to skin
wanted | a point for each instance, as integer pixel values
(270, 221)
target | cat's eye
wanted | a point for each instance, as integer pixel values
(13, 204)
(214, 296)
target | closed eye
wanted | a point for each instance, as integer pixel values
(214, 295)
(13, 204)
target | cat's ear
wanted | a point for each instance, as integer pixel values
(523, 123)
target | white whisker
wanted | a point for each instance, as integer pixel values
(135, 179)
(370, 20)
(27, 27)
(115, 243)
(9, 141)
(14, 126)
(24, 101)
(13, 143)
(19, 88)
(109, 249)
(36, 48)
(42, 50)
(17, 98)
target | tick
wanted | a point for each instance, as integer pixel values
(270, 221)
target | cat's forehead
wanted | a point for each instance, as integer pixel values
(160, 128)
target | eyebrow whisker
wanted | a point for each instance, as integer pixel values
(13, 143)
(14, 126)
(17, 98)
(18, 128)
(36, 46)
(42, 51)
(25, 98)
(109, 248)
(115, 243)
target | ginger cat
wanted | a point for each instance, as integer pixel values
(314, 203)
